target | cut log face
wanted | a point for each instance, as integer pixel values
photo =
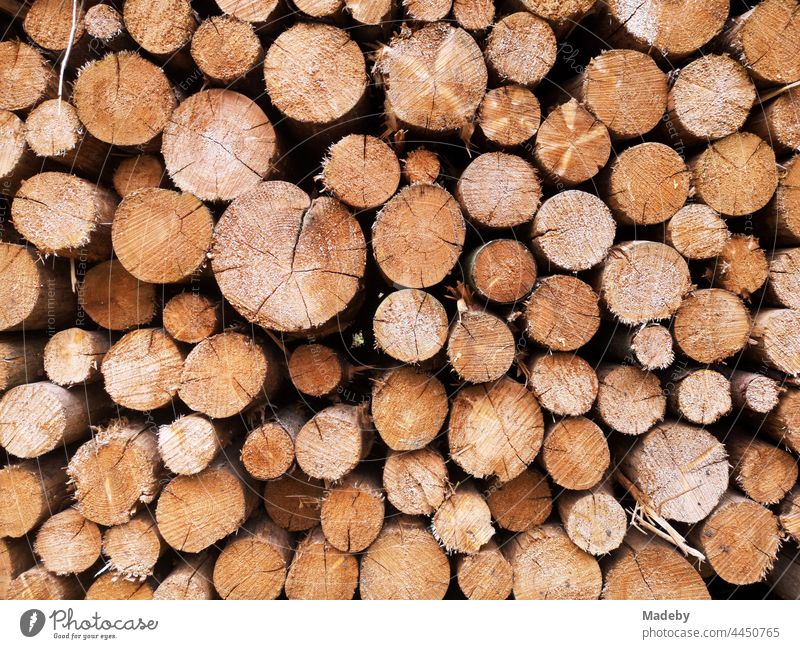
(116, 471)
(218, 144)
(103, 22)
(317, 370)
(685, 486)
(421, 166)
(427, 10)
(15, 558)
(192, 317)
(320, 571)
(701, 397)
(160, 27)
(741, 266)
(17, 162)
(26, 78)
(547, 565)
(434, 78)
(293, 501)
(782, 215)
(645, 567)
(736, 175)
(38, 583)
(649, 347)
(404, 562)
(161, 236)
(463, 522)
(115, 299)
(503, 271)
(73, 356)
(575, 453)
(225, 48)
(137, 172)
(68, 543)
(481, 347)
(333, 442)
(593, 520)
(521, 48)
(319, 61)
(36, 488)
(22, 360)
(408, 408)
(113, 587)
(268, 450)
(409, 254)
(564, 383)
(410, 325)
(254, 11)
(697, 232)
(415, 481)
(189, 444)
(142, 370)
(754, 392)
(789, 514)
(499, 190)
(495, 429)
(764, 472)
(522, 503)
(783, 422)
(573, 231)
(629, 400)
(133, 548)
(783, 287)
(775, 340)
(106, 90)
(486, 574)
(298, 270)
(509, 115)
(778, 122)
(572, 145)
(352, 512)
(190, 580)
(562, 313)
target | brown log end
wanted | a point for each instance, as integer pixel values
(486, 574)
(191, 317)
(775, 340)
(701, 397)
(521, 48)
(503, 271)
(783, 287)
(575, 453)
(332, 442)
(73, 356)
(38, 583)
(593, 520)
(415, 481)
(522, 503)
(697, 232)
(410, 325)
(509, 115)
(138, 172)
(68, 543)
(562, 313)
(225, 48)
(481, 347)
(160, 26)
(190, 580)
(463, 522)
(421, 166)
(629, 400)
(25, 76)
(133, 548)
(293, 501)
(36, 488)
(741, 266)
(190, 443)
(115, 299)
(114, 587)
(320, 571)
(317, 370)
(564, 383)
(352, 512)
(764, 472)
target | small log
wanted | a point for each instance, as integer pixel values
(572, 231)
(22, 360)
(274, 247)
(73, 356)
(700, 396)
(34, 293)
(764, 472)
(562, 313)
(36, 489)
(68, 543)
(547, 565)
(691, 96)
(778, 121)
(783, 287)
(320, 61)
(575, 453)
(641, 281)
(486, 574)
(481, 346)
(218, 144)
(191, 443)
(775, 340)
(332, 443)
(190, 317)
(564, 383)
(562, 16)
(736, 175)
(415, 481)
(410, 325)
(404, 562)
(754, 392)
(649, 347)
(446, 87)
(427, 10)
(646, 184)
(253, 564)
(160, 27)
(317, 370)
(408, 408)
(116, 471)
(293, 501)
(508, 115)
(740, 539)
(26, 78)
(133, 548)
(191, 579)
(352, 512)
(522, 503)
(361, 171)
(421, 166)
(418, 236)
(17, 161)
(499, 190)
(138, 172)
(496, 429)
(226, 49)
(521, 49)
(371, 16)
(54, 131)
(572, 145)
(142, 370)
(789, 514)
(697, 232)
(113, 587)
(161, 236)
(115, 299)
(15, 558)
(711, 325)
(503, 271)
(782, 423)
(624, 89)
(254, 11)
(741, 266)
(593, 520)
(190, 521)
(106, 90)
(105, 24)
(268, 450)
(463, 522)
(785, 575)
(229, 373)
(321, 572)
(38, 417)
(645, 567)
(683, 487)
(37, 583)
(781, 217)
(765, 39)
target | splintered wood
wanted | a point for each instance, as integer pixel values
(337, 299)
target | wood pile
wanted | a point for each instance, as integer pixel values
(402, 300)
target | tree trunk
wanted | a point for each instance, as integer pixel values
(481, 346)
(486, 574)
(68, 543)
(160, 27)
(564, 383)
(191, 317)
(268, 450)
(410, 325)
(22, 360)
(36, 488)
(115, 299)
(191, 579)
(575, 453)
(778, 123)
(463, 522)
(593, 520)
(521, 49)
(352, 512)
(756, 393)
(26, 78)
(697, 232)
(226, 49)
(320, 571)
(138, 172)
(293, 501)
(741, 266)
(764, 472)
(191, 443)
(415, 482)
(509, 115)
(562, 313)
(522, 503)
(132, 549)
(502, 271)
(700, 396)
(648, 346)
(782, 215)
(37, 583)
(74, 356)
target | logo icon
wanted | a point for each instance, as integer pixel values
(31, 622)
